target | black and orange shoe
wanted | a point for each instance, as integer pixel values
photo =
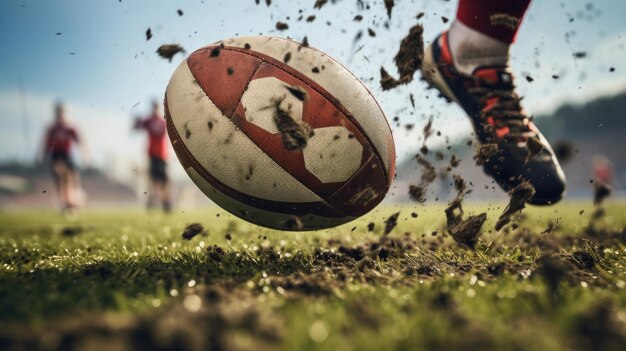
(489, 98)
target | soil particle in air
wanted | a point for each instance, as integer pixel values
(319, 4)
(179, 12)
(187, 131)
(310, 18)
(428, 129)
(294, 135)
(192, 230)
(391, 223)
(484, 153)
(71, 231)
(564, 151)
(429, 174)
(518, 197)
(168, 51)
(215, 52)
(358, 18)
(408, 59)
(148, 34)
(534, 147)
(371, 32)
(465, 232)
(281, 25)
(371, 226)
(297, 92)
(468, 231)
(389, 6)
(304, 43)
(601, 192)
(454, 161)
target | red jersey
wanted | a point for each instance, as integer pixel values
(60, 137)
(154, 125)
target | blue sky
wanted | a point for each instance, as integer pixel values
(102, 65)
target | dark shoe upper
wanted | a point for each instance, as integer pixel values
(490, 100)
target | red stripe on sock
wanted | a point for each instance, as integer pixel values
(499, 19)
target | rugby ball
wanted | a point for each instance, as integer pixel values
(279, 133)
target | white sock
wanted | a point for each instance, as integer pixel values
(471, 49)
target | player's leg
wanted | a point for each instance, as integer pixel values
(153, 186)
(72, 184)
(164, 190)
(468, 64)
(60, 171)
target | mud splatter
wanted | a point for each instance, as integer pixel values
(281, 26)
(564, 151)
(391, 222)
(389, 6)
(429, 174)
(408, 59)
(192, 230)
(465, 232)
(168, 51)
(484, 153)
(294, 135)
(534, 147)
(148, 34)
(454, 161)
(319, 4)
(428, 129)
(298, 92)
(519, 196)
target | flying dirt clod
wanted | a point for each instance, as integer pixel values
(294, 135)
(408, 59)
(168, 51)
(518, 198)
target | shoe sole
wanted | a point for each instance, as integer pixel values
(433, 77)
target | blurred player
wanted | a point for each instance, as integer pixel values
(59, 141)
(469, 65)
(154, 125)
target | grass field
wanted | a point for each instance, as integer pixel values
(127, 280)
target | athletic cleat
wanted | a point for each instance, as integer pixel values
(489, 99)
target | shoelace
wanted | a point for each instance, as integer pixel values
(503, 112)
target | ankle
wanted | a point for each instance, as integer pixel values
(471, 49)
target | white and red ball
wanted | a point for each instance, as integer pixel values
(221, 124)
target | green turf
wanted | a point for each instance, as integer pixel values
(433, 294)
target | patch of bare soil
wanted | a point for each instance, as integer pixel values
(207, 318)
